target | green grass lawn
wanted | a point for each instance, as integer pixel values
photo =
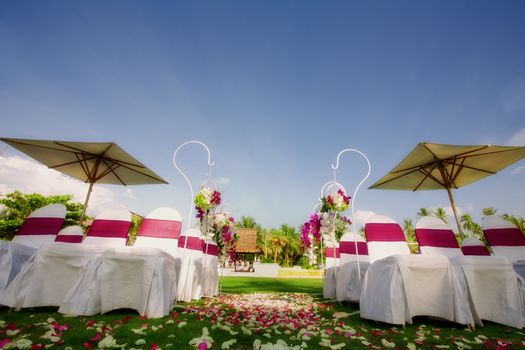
(290, 311)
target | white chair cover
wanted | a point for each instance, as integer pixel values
(211, 273)
(110, 228)
(70, 234)
(504, 237)
(41, 226)
(474, 246)
(161, 229)
(85, 280)
(351, 273)
(400, 286)
(139, 278)
(491, 282)
(331, 273)
(12, 257)
(433, 236)
(49, 275)
(191, 271)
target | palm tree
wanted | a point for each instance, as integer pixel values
(518, 221)
(489, 211)
(292, 248)
(277, 242)
(409, 229)
(441, 214)
(410, 233)
(470, 226)
(246, 222)
(262, 241)
(423, 212)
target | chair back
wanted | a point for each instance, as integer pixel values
(160, 229)
(211, 252)
(436, 237)
(504, 237)
(191, 243)
(347, 248)
(385, 238)
(70, 234)
(110, 228)
(473, 246)
(41, 226)
(332, 255)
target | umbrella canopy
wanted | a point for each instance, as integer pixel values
(432, 166)
(90, 162)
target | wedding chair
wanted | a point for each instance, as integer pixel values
(211, 273)
(70, 234)
(110, 228)
(37, 229)
(399, 286)
(506, 240)
(473, 246)
(160, 229)
(492, 284)
(41, 226)
(190, 281)
(354, 264)
(331, 265)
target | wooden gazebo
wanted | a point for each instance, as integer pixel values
(246, 247)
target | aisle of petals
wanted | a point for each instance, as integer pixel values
(299, 321)
(248, 321)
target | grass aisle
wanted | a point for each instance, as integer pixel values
(252, 313)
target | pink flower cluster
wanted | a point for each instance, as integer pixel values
(311, 228)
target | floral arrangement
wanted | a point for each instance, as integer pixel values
(329, 224)
(215, 223)
(206, 200)
(337, 201)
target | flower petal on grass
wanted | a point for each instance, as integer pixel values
(388, 344)
(227, 344)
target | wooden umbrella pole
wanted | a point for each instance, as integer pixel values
(86, 202)
(455, 212)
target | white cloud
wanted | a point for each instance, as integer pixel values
(222, 181)
(518, 170)
(28, 176)
(517, 139)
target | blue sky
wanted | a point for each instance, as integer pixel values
(275, 88)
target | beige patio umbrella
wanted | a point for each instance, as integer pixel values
(432, 166)
(90, 162)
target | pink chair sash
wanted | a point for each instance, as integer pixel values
(69, 238)
(442, 238)
(211, 249)
(41, 226)
(349, 248)
(194, 243)
(504, 237)
(384, 232)
(160, 228)
(332, 253)
(475, 250)
(109, 228)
